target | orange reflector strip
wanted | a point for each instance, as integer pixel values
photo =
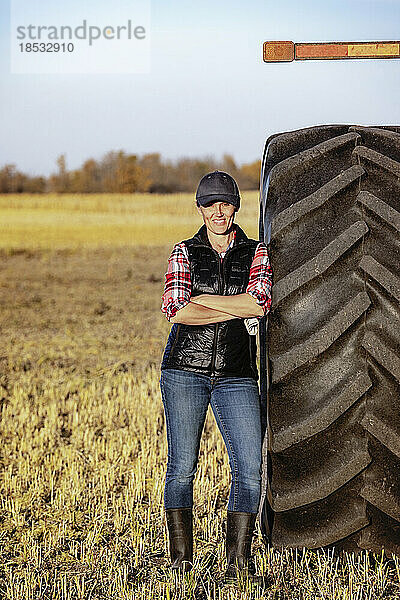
(288, 51)
(347, 50)
(304, 51)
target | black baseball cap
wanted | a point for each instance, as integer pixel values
(218, 185)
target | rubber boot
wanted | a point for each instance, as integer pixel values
(180, 530)
(239, 535)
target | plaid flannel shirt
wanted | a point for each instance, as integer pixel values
(177, 283)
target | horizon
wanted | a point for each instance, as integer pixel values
(208, 92)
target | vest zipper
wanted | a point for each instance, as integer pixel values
(214, 350)
(214, 353)
(251, 354)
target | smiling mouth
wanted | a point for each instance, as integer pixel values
(219, 220)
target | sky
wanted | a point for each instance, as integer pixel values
(208, 91)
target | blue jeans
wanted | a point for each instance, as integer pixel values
(235, 402)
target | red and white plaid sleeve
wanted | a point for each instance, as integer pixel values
(260, 279)
(177, 286)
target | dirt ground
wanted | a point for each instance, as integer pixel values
(85, 312)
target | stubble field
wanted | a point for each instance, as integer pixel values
(83, 442)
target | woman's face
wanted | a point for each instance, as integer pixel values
(218, 216)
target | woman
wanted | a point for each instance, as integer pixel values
(216, 284)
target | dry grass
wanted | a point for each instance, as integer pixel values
(103, 221)
(83, 452)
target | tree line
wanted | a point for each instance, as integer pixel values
(121, 172)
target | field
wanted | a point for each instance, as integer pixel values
(83, 442)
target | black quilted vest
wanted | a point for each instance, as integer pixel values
(223, 349)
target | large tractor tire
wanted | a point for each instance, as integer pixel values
(330, 364)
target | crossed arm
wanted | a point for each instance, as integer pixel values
(212, 308)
